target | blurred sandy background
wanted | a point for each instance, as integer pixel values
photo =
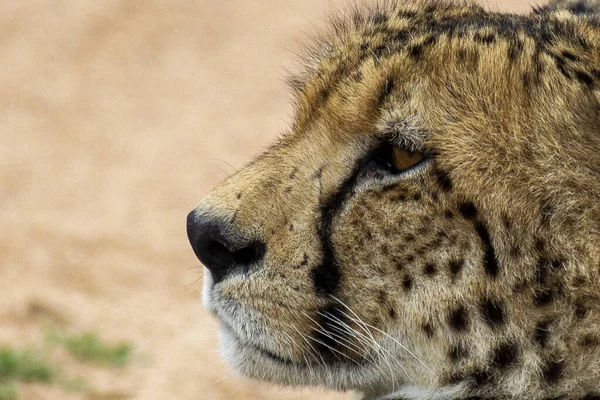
(116, 117)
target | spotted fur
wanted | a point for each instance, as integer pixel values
(473, 276)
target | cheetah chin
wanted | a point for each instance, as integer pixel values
(429, 226)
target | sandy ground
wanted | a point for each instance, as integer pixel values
(116, 118)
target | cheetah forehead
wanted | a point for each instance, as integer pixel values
(421, 65)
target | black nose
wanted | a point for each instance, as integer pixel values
(220, 247)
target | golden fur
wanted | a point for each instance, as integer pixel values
(475, 275)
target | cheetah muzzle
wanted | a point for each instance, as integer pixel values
(429, 227)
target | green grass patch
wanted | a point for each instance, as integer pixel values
(33, 365)
(24, 365)
(88, 347)
(18, 365)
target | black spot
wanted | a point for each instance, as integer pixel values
(431, 39)
(482, 377)
(543, 297)
(547, 211)
(379, 18)
(379, 52)
(569, 56)
(515, 251)
(545, 265)
(592, 396)
(458, 319)
(428, 329)
(304, 261)
(557, 264)
(239, 196)
(581, 311)
(392, 313)
(409, 238)
(416, 197)
(407, 14)
(400, 197)
(505, 355)
(506, 222)
(410, 258)
(288, 189)
(291, 227)
(585, 78)
(589, 340)
(457, 352)
(542, 333)
(401, 36)
(407, 283)
(292, 174)
(553, 371)
(449, 214)
(579, 281)
(382, 297)
(493, 312)
(384, 249)
(467, 210)
(444, 181)
(490, 264)
(415, 51)
(429, 269)
(455, 267)
(540, 245)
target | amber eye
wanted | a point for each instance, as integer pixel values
(402, 159)
(397, 159)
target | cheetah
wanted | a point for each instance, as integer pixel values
(429, 225)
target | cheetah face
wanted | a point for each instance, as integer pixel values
(409, 234)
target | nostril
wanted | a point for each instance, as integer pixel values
(249, 255)
(220, 260)
(245, 256)
(216, 250)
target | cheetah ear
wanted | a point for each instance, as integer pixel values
(577, 7)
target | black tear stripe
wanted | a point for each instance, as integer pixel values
(327, 275)
(331, 319)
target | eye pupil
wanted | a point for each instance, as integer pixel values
(396, 159)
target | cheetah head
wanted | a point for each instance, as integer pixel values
(429, 226)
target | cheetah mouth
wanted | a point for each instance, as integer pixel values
(229, 331)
